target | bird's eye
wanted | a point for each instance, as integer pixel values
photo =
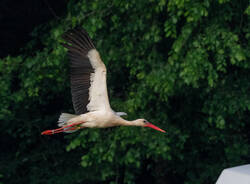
(144, 121)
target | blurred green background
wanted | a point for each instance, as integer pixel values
(181, 64)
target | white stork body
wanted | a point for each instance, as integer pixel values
(98, 119)
(89, 89)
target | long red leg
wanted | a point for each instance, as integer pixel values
(62, 129)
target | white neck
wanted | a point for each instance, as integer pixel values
(124, 122)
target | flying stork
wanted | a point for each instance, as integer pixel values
(89, 89)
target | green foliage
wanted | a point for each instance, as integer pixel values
(181, 64)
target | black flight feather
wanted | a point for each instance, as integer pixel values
(78, 45)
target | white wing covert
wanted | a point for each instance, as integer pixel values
(88, 73)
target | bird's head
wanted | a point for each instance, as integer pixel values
(145, 123)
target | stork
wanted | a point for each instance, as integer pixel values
(89, 89)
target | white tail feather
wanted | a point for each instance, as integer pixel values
(64, 118)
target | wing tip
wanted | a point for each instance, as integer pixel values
(78, 37)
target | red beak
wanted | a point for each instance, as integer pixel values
(150, 125)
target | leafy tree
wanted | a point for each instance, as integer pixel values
(181, 64)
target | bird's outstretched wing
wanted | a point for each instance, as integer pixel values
(88, 73)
